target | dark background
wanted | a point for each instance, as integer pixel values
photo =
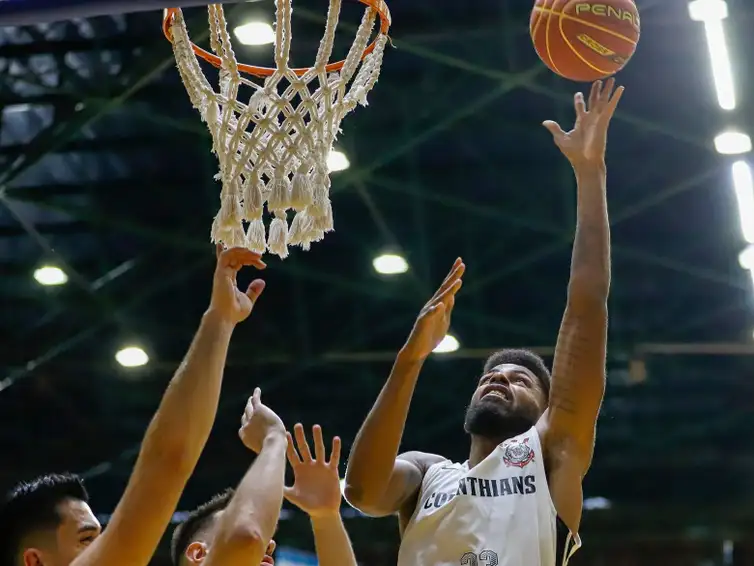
(106, 170)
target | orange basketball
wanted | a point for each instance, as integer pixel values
(585, 40)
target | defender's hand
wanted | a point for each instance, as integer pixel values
(316, 485)
(434, 319)
(228, 301)
(585, 143)
(258, 423)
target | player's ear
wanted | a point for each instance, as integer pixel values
(33, 557)
(196, 552)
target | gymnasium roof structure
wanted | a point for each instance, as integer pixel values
(106, 171)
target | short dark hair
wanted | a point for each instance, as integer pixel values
(524, 358)
(32, 505)
(197, 520)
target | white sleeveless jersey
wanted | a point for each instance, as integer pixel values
(498, 513)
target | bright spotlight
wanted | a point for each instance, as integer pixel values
(722, 73)
(255, 33)
(50, 275)
(132, 357)
(732, 143)
(744, 187)
(592, 503)
(746, 258)
(446, 345)
(337, 161)
(712, 13)
(708, 10)
(390, 264)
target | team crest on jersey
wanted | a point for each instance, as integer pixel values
(517, 453)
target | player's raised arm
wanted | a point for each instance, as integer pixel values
(578, 376)
(248, 522)
(180, 428)
(316, 491)
(378, 481)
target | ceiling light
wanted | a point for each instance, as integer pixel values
(255, 33)
(746, 258)
(712, 13)
(708, 10)
(132, 357)
(592, 503)
(744, 187)
(50, 275)
(390, 264)
(732, 143)
(446, 345)
(337, 161)
(722, 73)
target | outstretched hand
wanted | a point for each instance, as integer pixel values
(258, 422)
(228, 301)
(433, 321)
(585, 143)
(316, 485)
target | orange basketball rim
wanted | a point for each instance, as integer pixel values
(379, 6)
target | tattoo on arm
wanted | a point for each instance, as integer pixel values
(575, 353)
(591, 248)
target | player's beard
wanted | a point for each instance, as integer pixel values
(492, 420)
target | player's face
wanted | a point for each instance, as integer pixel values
(508, 401)
(77, 530)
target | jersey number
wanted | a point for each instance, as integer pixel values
(484, 558)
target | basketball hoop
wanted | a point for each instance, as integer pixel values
(273, 149)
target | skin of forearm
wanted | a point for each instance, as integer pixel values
(182, 424)
(257, 501)
(378, 441)
(590, 262)
(248, 523)
(171, 448)
(331, 541)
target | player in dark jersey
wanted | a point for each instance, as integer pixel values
(237, 527)
(48, 522)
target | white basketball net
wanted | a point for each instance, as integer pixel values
(274, 148)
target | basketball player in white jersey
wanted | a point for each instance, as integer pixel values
(531, 444)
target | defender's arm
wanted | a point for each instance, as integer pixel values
(316, 491)
(248, 523)
(168, 454)
(331, 541)
(178, 431)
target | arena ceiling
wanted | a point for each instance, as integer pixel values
(106, 171)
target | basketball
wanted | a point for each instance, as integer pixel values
(585, 40)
